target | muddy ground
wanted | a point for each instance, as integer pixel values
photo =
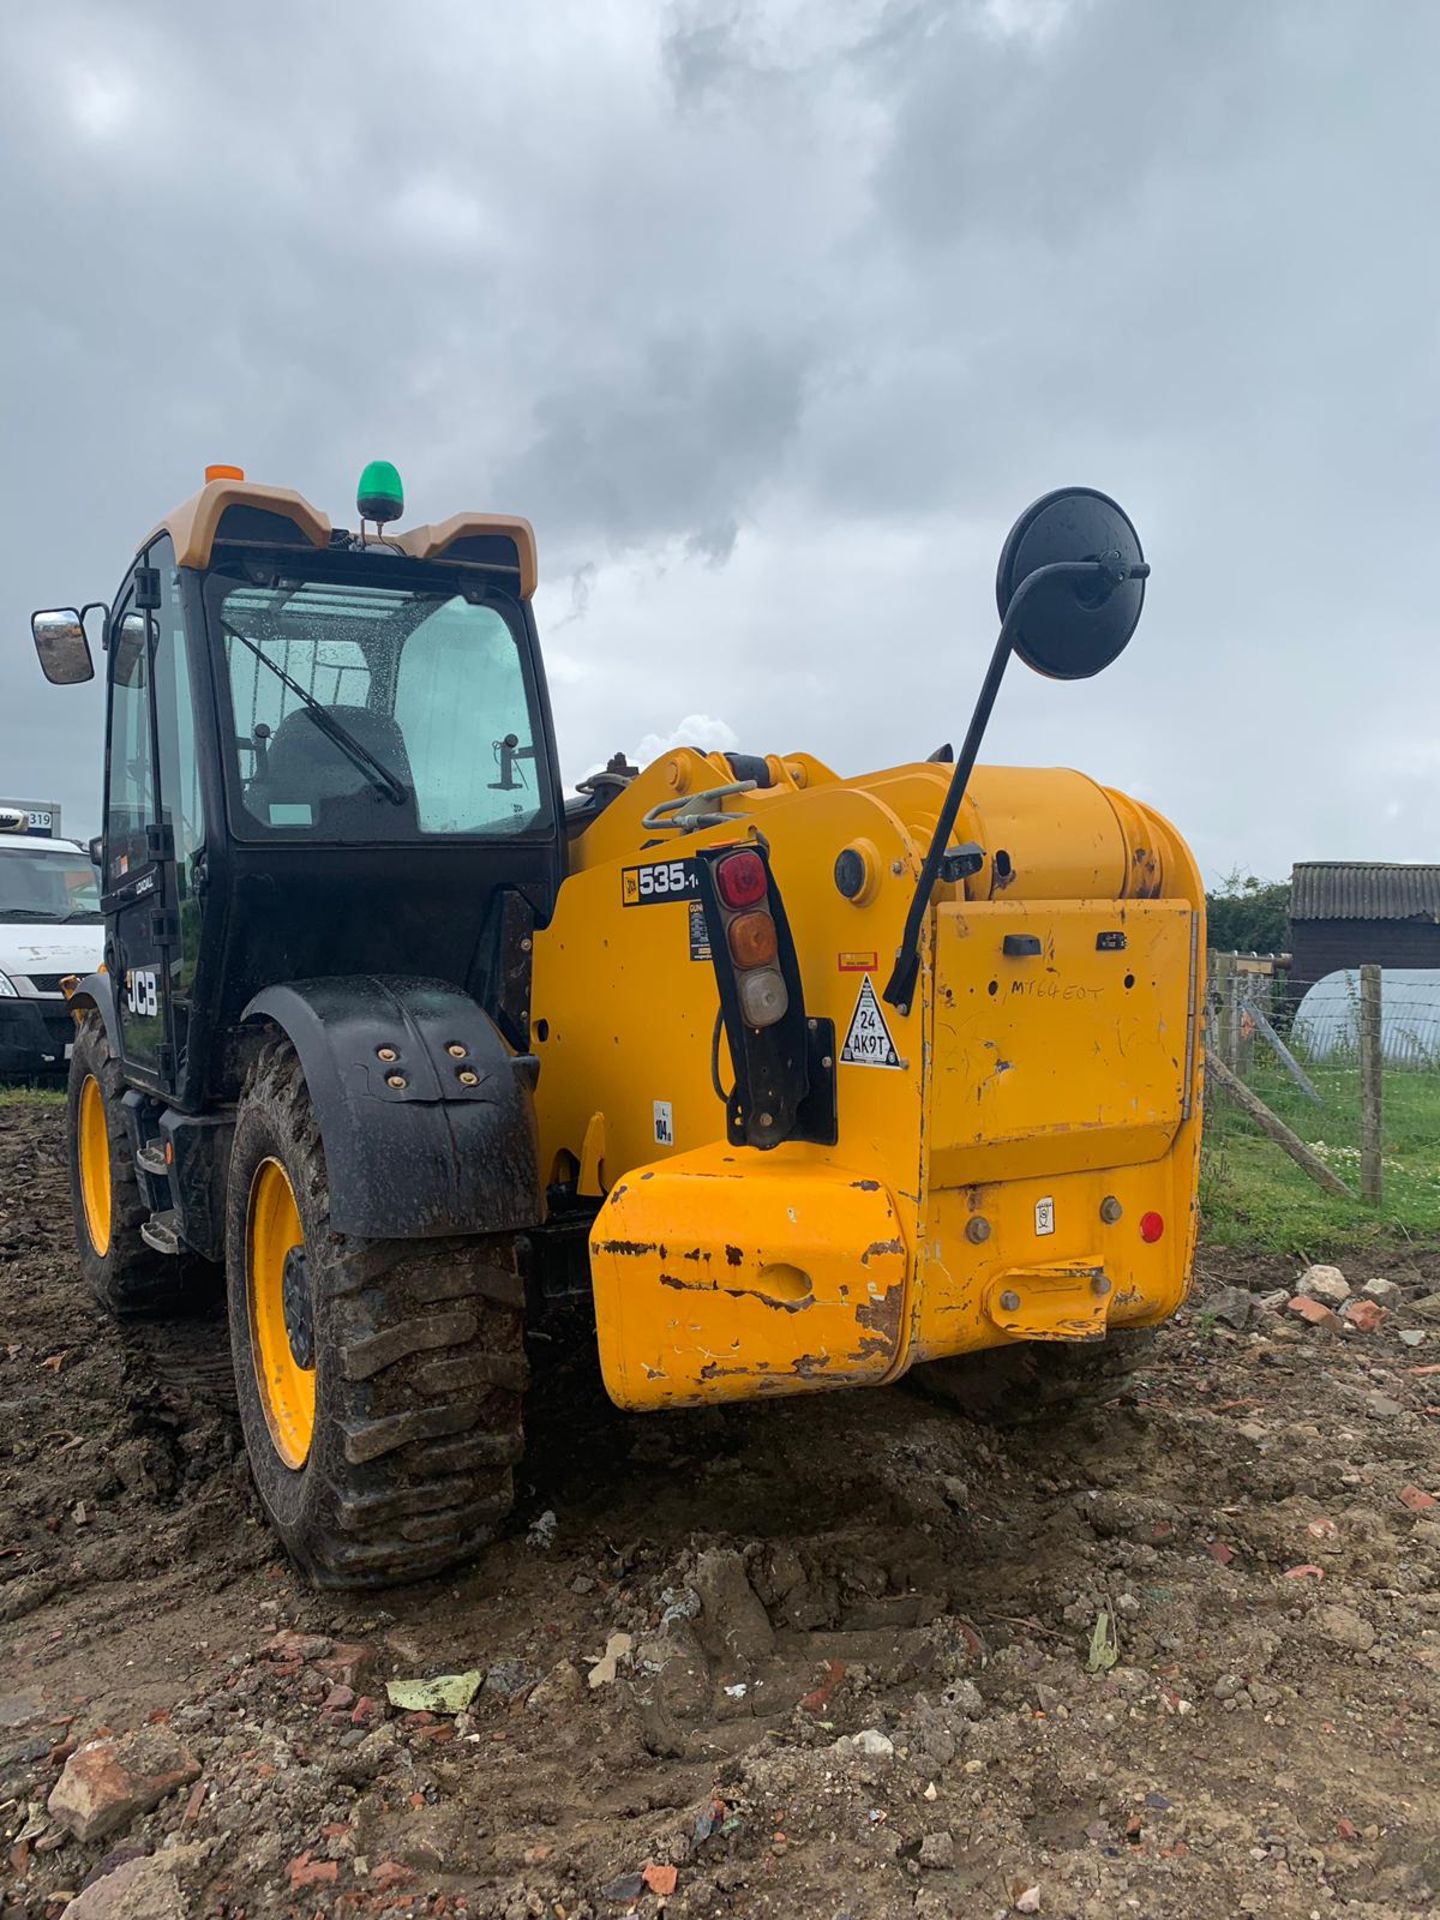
(863, 1675)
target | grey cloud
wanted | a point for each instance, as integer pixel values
(771, 314)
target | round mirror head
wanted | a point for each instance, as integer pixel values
(1070, 629)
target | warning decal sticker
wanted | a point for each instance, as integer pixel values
(868, 1043)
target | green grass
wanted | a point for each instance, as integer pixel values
(32, 1096)
(1253, 1195)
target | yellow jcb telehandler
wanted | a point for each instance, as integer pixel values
(803, 1079)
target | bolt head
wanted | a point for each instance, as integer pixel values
(1100, 1286)
(977, 1229)
(1110, 1210)
(1010, 1301)
(468, 1077)
(455, 1050)
(386, 1053)
(396, 1080)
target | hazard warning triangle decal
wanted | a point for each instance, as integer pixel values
(868, 1043)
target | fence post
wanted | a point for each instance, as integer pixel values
(1371, 1129)
(1225, 1023)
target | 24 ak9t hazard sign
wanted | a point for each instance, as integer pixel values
(868, 1043)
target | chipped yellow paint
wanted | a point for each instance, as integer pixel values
(721, 1275)
(1012, 1153)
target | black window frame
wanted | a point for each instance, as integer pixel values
(389, 570)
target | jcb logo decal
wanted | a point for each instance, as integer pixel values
(666, 880)
(142, 991)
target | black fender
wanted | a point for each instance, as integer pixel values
(97, 990)
(441, 1138)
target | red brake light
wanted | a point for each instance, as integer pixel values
(741, 880)
(1152, 1225)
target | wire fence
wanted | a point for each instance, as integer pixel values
(1343, 1081)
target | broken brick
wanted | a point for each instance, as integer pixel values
(1315, 1312)
(305, 1872)
(1367, 1316)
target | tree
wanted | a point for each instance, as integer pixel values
(1249, 915)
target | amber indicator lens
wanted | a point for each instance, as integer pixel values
(752, 940)
(741, 880)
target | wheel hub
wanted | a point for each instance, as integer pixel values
(299, 1315)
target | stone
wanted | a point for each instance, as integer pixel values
(1231, 1306)
(1228, 1685)
(1315, 1312)
(1028, 1900)
(871, 1742)
(965, 1698)
(1327, 1284)
(733, 1625)
(1381, 1407)
(1385, 1293)
(1428, 1307)
(18, 1709)
(938, 1850)
(1366, 1316)
(1344, 1627)
(108, 1783)
(141, 1886)
(1413, 1336)
(1274, 1302)
(562, 1686)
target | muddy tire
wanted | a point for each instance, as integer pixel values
(380, 1381)
(125, 1275)
(1017, 1385)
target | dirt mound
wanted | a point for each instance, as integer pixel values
(851, 1656)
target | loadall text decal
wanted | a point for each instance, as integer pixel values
(653, 885)
(868, 1043)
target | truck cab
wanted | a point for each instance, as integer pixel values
(51, 928)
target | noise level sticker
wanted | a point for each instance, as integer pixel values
(868, 1043)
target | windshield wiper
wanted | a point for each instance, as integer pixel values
(375, 771)
(30, 913)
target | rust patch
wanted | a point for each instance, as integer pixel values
(882, 1316)
(897, 1245)
(734, 1256)
(806, 1365)
(866, 1186)
(783, 1306)
(629, 1249)
(691, 1253)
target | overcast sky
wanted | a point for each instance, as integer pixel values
(772, 315)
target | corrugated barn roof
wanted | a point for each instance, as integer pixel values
(1364, 890)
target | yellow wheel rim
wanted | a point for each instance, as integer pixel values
(281, 1330)
(93, 1153)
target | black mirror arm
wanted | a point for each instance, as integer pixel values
(1111, 571)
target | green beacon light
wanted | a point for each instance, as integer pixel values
(380, 496)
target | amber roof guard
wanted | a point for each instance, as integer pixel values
(195, 525)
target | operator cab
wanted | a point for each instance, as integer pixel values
(325, 752)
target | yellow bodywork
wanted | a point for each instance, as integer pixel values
(992, 1169)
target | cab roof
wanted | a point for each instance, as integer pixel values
(245, 512)
(40, 843)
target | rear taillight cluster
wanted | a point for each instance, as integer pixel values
(743, 888)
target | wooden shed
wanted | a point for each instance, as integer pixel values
(1345, 912)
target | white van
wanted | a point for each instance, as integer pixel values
(50, 926)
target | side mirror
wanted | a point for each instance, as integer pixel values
(61, 644)
(1069, 629)
(96, 849)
